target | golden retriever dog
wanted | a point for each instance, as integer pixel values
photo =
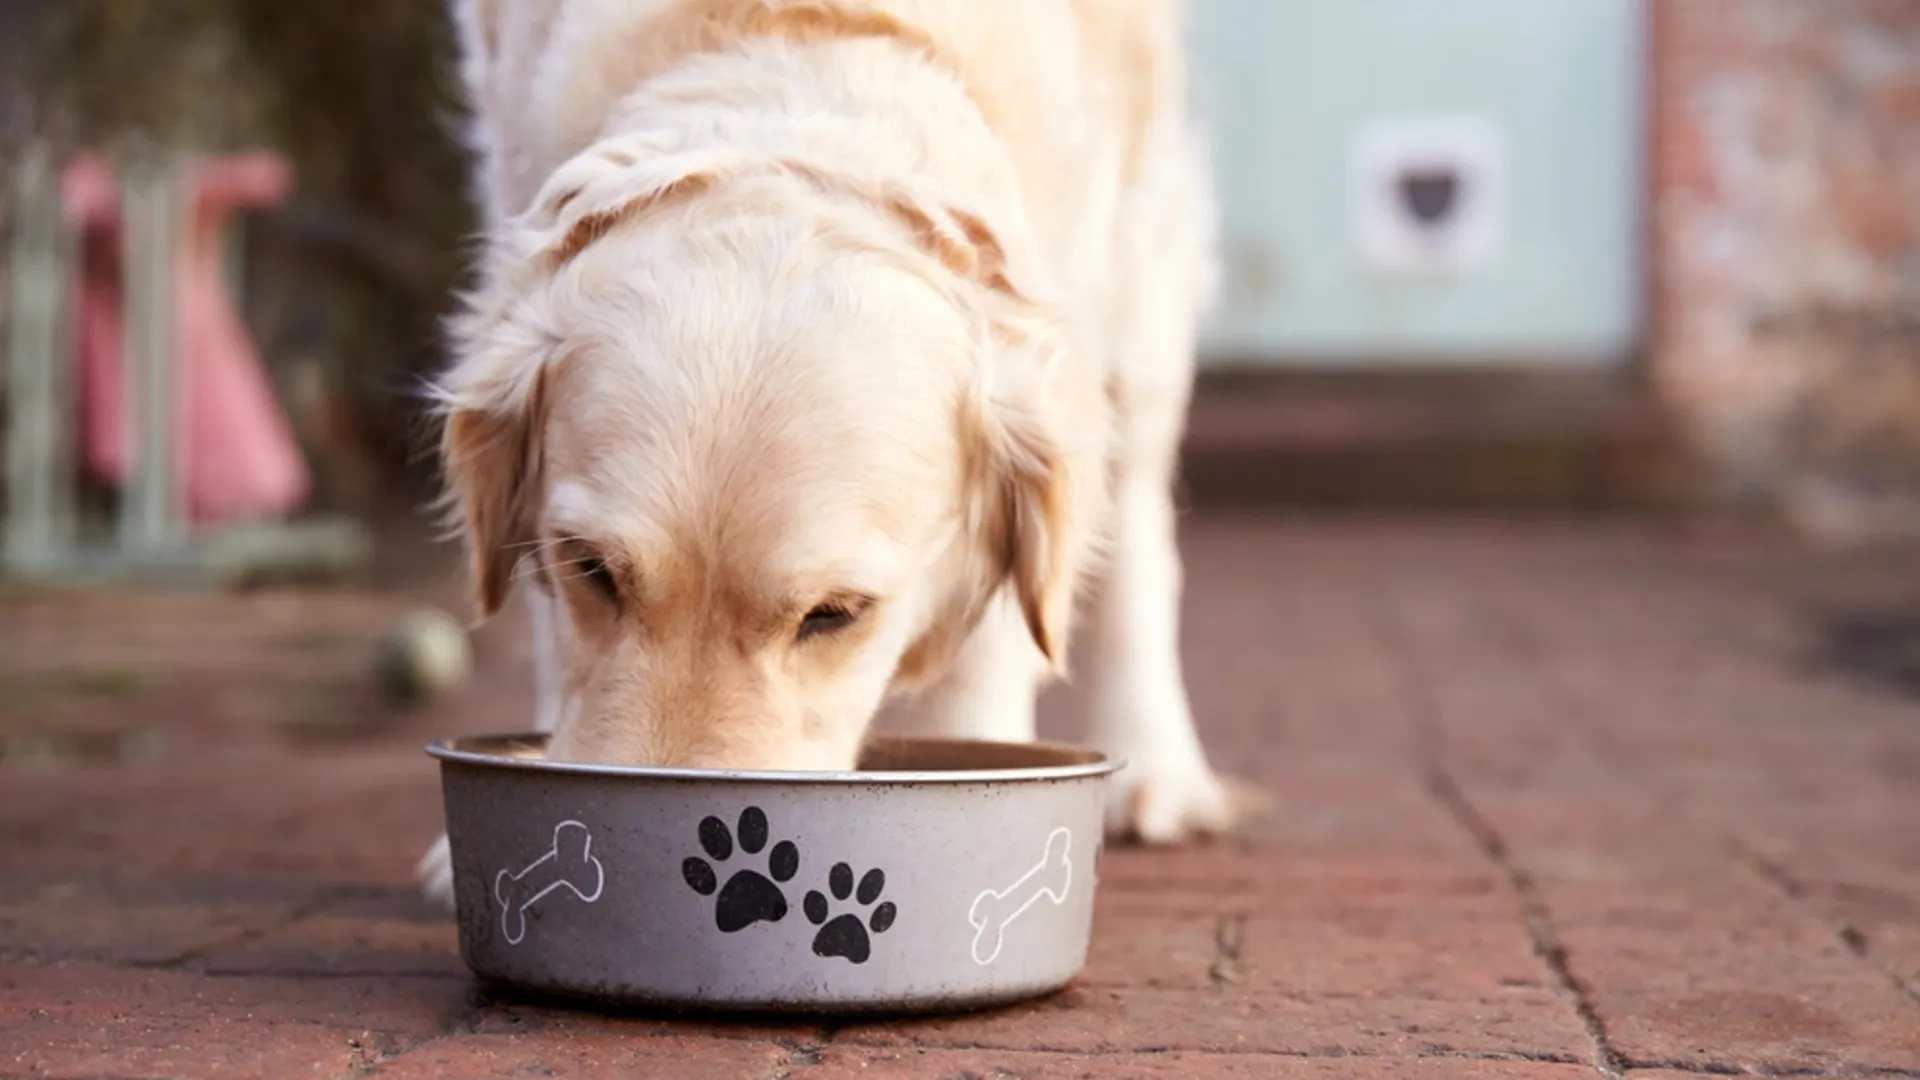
(824, 356)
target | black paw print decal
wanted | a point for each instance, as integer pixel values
(748, 896)
(845, 934)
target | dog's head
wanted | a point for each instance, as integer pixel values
(774, 439)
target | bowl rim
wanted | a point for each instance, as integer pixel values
(1079, 762)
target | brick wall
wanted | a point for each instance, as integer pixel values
(1786, 249)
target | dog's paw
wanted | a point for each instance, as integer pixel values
(435, 872)
(1173, 805)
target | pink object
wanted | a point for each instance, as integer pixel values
(238, 457)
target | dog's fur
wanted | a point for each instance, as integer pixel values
(821, 350)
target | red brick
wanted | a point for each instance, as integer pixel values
(507, 1016)
(60, 921)
(846, 1063)
(1169, 950)
(214, 1048)
(1612, 840)
(127, 818)
(1707, 997)
(334, 944)
(1692, 958)
(225, 922)
(1209, 881)
(1778, 156)
(653, 1056)
(1472, 954)
(371, 827)
(75, 998)
(1897, 948)
(1826, 850)
(91, 1020)
(1520, 1022)
(63, 1002)
(1307, 884)
(1326, 809)
(353, 817)
(1343, 833)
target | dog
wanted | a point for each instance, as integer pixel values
(823, 357)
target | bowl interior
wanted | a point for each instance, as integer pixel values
(885, 757)
(907, 753)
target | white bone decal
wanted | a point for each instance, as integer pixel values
(995, 909)
(568, 865)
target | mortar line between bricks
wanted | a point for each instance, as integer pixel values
(798, 1059)
(1228, 935)
(85, 1076)
(1534, 916)
(1796, 892)
(322, 975)
(1716, 1068)
(306, 909)
(1576, 709)
(368, 1055)
(371, 1060)
(314, 904)
(1608, 1061)
(1329, 1054)
(369, 1064)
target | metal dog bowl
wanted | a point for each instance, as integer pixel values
(944, 874)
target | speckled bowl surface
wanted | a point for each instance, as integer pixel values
(944, 874)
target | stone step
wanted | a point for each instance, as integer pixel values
(1403, 440)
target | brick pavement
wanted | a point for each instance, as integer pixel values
(1552, 800)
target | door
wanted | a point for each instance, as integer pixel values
(1423, 181)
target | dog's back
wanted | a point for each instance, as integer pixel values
(1073, 87)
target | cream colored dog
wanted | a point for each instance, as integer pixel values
(821, 350)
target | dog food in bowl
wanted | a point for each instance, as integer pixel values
(944, 874)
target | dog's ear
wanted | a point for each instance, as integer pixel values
(1034, 514)
(490, 452)
(494, 402)
(1034, 474)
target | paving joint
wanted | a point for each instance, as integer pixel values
(1229, 935)
(1534, 916)
(1607, 1060)
(1796, 891)
(799, 1058)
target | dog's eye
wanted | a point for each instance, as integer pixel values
(598, 576)
(825, 619)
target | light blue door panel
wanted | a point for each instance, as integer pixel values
(1424, 180)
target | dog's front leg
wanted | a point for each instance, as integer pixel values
(1136, 703)
(989, 691)
(1136, 689)
(545, 626)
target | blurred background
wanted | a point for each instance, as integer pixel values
(1531, 256)
(1593, 251)
(1670, 252)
